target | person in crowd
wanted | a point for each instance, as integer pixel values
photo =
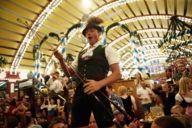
(60, 108)
(138, 80)
(92, 122)
(179, 112)
(128, 102)
(32, 122)
(184, 96)
(167, 122)
(12, 105)
(50, 106)
(26, 101)
(119, 119)
(157, 108)
(46, 79)
(54, 84)
(169, 76)
(28, 113)
(58, 122)
(93, 64)
(2, 114)
(12, 122)
(145, 95)
(167, 97)
(114, 97)
(185, 92)
(42, 120)
(170, 80)
(68, 105)
(38, 104)
(65, 83)
(20, 109)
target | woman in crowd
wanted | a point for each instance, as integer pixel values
(51, 108)
(185, 91)
(184, 96)
(138, 80)
(128, 102)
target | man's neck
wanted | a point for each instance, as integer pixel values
(93, 44)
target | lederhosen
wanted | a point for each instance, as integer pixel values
(95, 67)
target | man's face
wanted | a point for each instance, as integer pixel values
(119, 117)
(143, 84)
(165, 87)
(71, 93)
(92, 35)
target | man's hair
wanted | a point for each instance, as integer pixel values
(168, 70)
(183, 85)
(56, 120)
(168, 122)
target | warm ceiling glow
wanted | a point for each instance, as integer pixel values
(86, 3)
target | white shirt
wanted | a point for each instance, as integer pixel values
(144, 94)
(180, 99)
(56, 86)
(133, 102)
(110, 53)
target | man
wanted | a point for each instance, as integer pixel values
(55, 84)
(93, 65)
(145, 95)
(114, 97)
(119, 119)
(167, 97)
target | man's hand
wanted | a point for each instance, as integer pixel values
(91, 86)
(58, 55)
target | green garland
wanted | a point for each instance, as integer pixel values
(3, 61)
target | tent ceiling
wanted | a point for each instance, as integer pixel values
(17, 16)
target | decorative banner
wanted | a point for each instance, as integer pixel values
(103, 39)
(138, 52)
(144, 60)
(3, 62)
(135, 51)
(37, 62)
(62, 41)
(116, 24)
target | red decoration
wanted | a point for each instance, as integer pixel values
(12, 75)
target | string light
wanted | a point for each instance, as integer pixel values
(139, 31)
(111, 5)
(31, 33)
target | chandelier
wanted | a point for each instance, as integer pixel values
(176, 42)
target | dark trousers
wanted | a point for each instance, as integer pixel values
(84, 104)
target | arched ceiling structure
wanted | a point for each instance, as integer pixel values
(20, 18)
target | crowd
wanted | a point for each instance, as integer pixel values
(173, 100)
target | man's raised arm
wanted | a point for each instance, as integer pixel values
(68, 71)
